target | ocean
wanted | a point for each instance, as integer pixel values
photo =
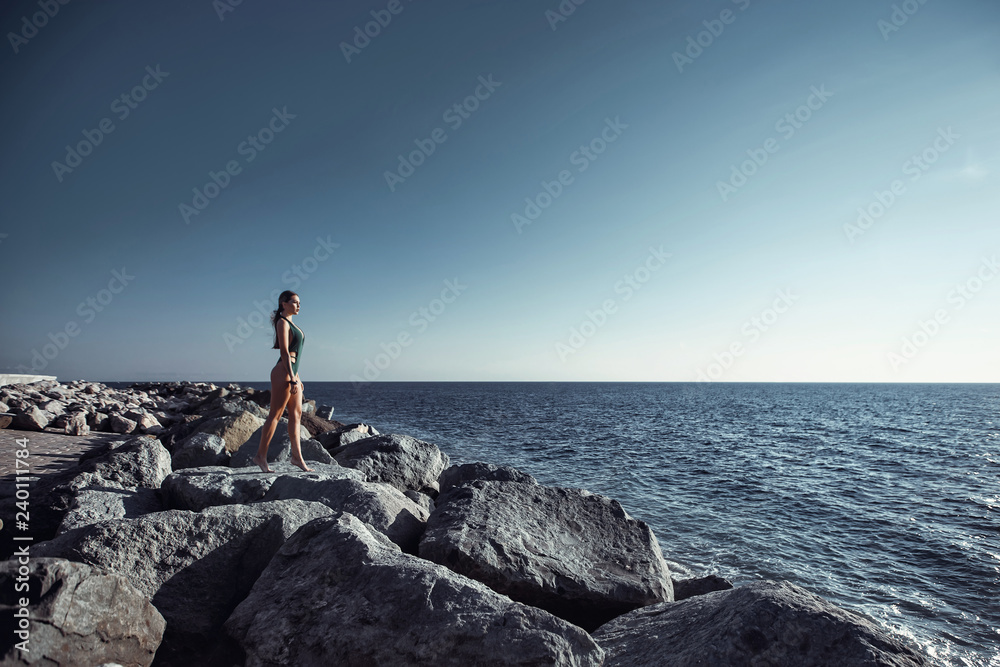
(884, 498)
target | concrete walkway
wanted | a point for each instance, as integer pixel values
(49, 452)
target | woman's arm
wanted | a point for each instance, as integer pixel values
(283, 329)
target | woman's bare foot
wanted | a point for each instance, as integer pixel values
(261, 463)
(302, 464)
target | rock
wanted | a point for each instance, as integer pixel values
(325, 412)
(31, 419)
(54, 406)
(309, 407)
(232, 407)
(98, 421)
(382, 507)
(5, 421)
(351, 597)
(233, 429)
(399, 460)
(315, 425)
(198, 450)
(194, 566)
(575, 554)
(79, 615)
(280, 448)
(470, 472)
(763, 623)
(77, 424)
(120, 424)
(139, 462)
(91, 505)
(421, 499)
(688, 588)
(197, 488)
(143, 420)
(344, 435)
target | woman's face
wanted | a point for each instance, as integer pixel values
(292, 305)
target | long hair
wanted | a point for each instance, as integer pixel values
(285, 297)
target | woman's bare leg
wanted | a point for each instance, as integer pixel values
(279, 397)
(294, 422)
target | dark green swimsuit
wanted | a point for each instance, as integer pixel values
(295, 342)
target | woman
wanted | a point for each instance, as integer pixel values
(285, 385)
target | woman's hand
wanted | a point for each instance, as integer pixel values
(296, 385)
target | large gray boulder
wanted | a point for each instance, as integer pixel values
(234, 429)
(280, 448)
(349, 596)
(199, 450)
(79, 615)
(471, 472)
(382, 507)
(91, 505)
(138, 462)
(764, 623)
(194, 566)
(568, 551)
(400, 460)
(197, 488)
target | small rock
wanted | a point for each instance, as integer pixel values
(121, 424)
(77, 424)
(32, 419)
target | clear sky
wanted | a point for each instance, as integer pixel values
(633, 190)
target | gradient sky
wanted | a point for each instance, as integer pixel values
(855, 297)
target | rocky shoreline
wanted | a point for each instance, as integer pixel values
(169, 547)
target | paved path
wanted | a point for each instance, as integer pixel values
(49, 452)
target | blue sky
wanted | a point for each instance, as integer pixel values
(643, 267)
